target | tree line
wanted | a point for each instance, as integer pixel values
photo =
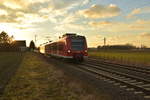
(121, 47)
(7, 43)
(5, 38)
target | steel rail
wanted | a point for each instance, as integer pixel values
(128, 67)
(116, 72)
(109, 75)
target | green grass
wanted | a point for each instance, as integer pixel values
(124, 56)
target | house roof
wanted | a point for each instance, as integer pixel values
(20, 43)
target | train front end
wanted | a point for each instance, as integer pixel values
(77, 47)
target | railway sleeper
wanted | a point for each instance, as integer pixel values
(123, 86)
(138, 83)
(122, 79)
(116, 83)
(131, 81)
(147, 97)
(147, 89)
(146, 85)
(130, 89)
(107, 79)
(127, 79)
(138, 92)
(111, 81)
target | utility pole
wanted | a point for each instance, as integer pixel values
(104, 41)
(35, 39)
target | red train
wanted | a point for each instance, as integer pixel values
(69, 46)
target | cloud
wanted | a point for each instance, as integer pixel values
(69, 19)
(69, 27)
(68, 22)
(31, 18)
(139, 11)
(60, 4)
(139, 25)
(86, 2)
(9, 17)
(145, 35)
(65, 4)
(115, 26)
(100, 24)
(43, 8)
(20, 4)
(3, 12)
(12, 5)
(144, 38)
(15, 4)
(100, 11)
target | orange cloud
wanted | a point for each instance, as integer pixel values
(145, 35)
(139, 11)
(3, 12)
(99, 24)
(15, 4)
(139, 25)
(100, 11)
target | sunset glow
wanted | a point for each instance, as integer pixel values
(120, 22)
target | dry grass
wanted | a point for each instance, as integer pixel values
(128, 57)
(38, 80)
(9, 62)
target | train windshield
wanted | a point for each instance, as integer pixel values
(77, 43)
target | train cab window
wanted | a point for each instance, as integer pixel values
(77, 44)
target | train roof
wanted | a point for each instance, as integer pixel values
(71, 35)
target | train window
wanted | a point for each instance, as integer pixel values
(60, 47)
(77, 44)
(47, 47)
(55, 46)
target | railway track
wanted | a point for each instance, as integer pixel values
(131, 82)
(143, 72)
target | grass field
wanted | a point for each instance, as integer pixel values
(9, 62)
(36, 79)
(9, 58)
(135, 57)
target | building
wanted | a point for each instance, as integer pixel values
(21, 44)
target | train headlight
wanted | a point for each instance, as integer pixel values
(69, 51)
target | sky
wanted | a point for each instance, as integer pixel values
(119, 21)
